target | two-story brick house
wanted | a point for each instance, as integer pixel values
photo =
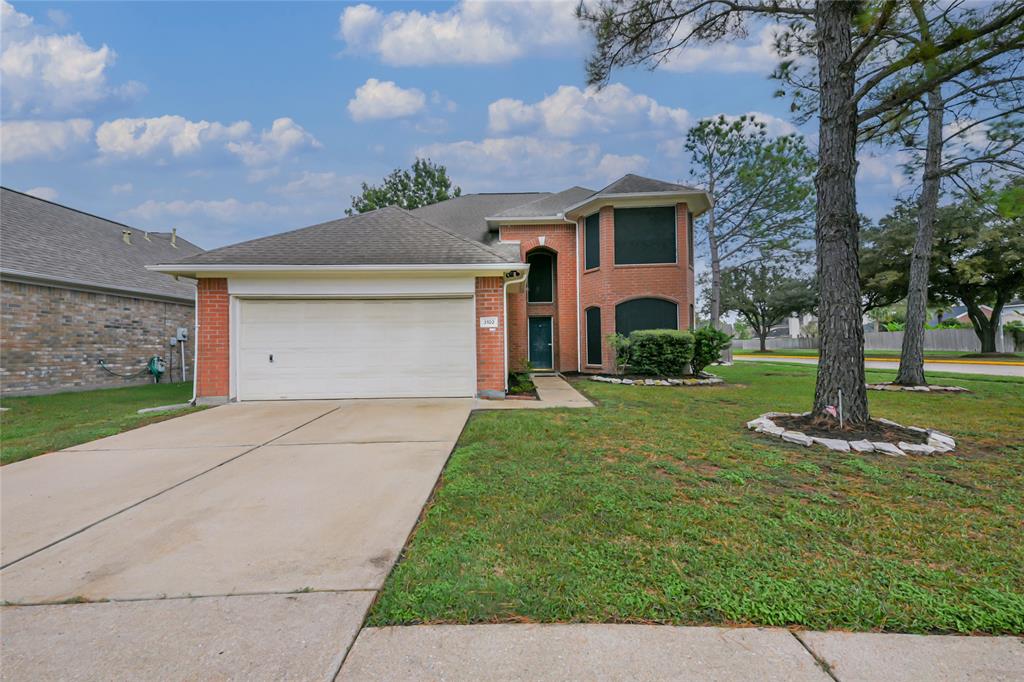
(445, 300)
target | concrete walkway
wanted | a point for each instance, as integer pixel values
(1006, 370)
(552, 391)
(653, 652)
(242, 542)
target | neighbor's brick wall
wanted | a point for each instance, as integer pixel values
(51, 338)
(490, 343)
(612, 284)
(561, 240)
(214, 339)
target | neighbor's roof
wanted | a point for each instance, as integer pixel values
(549, 205)
(386, 236)
(50, 243)
(465, 214)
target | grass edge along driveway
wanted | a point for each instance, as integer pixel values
(34, 425)
(659, 507)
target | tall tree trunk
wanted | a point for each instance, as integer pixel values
(764, 345)
(911, 372)
(716, 263)
(841, 364)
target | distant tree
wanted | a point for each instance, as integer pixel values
(762, 190)
(884, 257)
(427, 183)
(764, 293)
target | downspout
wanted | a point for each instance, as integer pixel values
(579, 274)
(504, 317)
(195, 352)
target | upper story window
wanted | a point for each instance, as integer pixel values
(540, 283)
(689, 234)
(592, 242)
(645, 235)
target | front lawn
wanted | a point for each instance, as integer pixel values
(38, 424)
(659, 506)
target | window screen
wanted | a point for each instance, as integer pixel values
(540, 281)
(593, 336)
(645, 235)
(645, 313)
(592, 242)
(689, 234)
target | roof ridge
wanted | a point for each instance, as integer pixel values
(475, 243)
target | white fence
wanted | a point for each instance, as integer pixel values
(934, 339)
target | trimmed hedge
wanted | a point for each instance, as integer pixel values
(709, 344)
(660, 352)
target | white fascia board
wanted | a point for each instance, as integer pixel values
(641, 198)
(530, 220)
(211, 270)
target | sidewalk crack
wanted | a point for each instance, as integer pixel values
(822, 663)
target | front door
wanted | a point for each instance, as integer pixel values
(540, 343)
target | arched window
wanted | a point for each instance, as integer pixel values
(540, 284)
(645, 313)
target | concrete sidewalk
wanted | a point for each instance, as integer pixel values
(657, 652)
(552, 391)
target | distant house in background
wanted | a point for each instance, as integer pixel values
(1011, 312)
(75, 290)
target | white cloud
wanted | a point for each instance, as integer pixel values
(122, 188)
(141, 137)
(468, 33)
(229, 210)
(492, 162)
(570, 111)
(882, 169)
(20, 140)
(48, 193)
(284, 137)
(377, 99)
(319, 184)
(966, 133)
(756, 55)
(613, 166)
(44, 72)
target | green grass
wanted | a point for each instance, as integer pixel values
(933, 354)
(38, 424)
(659, 506)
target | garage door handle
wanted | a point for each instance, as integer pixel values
(271, 357)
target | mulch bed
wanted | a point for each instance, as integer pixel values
(873, 431)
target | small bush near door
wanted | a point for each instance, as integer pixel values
(659, 352)
(708, 346)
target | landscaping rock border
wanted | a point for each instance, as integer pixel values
(660, 382)
(920, 389)
(938, 443)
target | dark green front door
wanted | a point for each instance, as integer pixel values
(540, 342)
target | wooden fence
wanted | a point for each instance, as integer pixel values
(964, 340)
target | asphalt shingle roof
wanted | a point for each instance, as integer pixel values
(43, 240)
(549, 205)
(635, 184)
(386, 236)
(465, 215)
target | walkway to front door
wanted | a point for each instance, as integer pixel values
(540, 343)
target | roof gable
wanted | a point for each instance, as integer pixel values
(549, 205)
(636, 184)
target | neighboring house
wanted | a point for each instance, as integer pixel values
(75, 290)
(1013, 311)
(446, 299)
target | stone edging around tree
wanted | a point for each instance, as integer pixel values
(922, 389)
(707, 381)
(938, 443)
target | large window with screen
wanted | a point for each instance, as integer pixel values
(593, 336)
(645, 235)
(645, 313)
(592, 242)
(540, 284)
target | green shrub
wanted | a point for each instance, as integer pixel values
(620, 347)
(708, 344)
(665, 352)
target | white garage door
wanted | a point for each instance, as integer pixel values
(392, 348)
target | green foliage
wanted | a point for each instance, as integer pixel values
(428, 183)
(709, 343)
(743, 331)
(621, 347)
(765, 292)
(660, 352)
(520, 382)
(1016, 329)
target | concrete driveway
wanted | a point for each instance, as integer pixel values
(245, 541)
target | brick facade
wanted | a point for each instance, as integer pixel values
(490, 343)
(559, 240)
(213, 380)
(52, 338)
(603, 287)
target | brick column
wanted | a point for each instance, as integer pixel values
(212, 380)
(490, 343)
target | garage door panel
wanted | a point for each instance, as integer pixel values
(356, 348)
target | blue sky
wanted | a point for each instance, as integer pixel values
(235, 120)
